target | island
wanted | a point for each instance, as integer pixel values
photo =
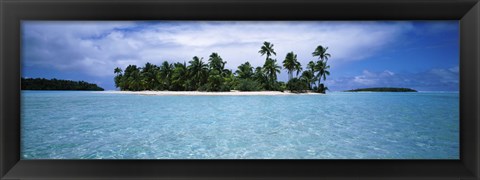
(211, 75)
(57, 84)
(382, 89)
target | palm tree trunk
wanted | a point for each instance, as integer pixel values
(319, 81)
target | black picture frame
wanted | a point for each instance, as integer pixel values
(12, 12)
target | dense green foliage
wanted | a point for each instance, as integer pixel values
(382, 89)
(296, 85)
(211, 75)
(57, 84)
(248, 85)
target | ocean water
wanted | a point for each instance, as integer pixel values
(339, 125)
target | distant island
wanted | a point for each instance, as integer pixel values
(57, 84)
(382, 89)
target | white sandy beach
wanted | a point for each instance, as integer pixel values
(199, 93)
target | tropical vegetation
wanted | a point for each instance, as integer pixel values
(382, 89)
(211, 75)
(57, 84)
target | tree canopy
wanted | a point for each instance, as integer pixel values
(57, 84)
(382, 89)
(211, 75)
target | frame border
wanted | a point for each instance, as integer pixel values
(12, 12)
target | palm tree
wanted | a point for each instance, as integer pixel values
(271, 69)
(198, 71)
(245, 71)
(164, 75)
(215, 80)
(321, 52)
(291, 64)
(118, 78)
(229, 79)
(135, 81)
(298, 68)
(117, 70)
(132, 79)
(308, 77)
(216, 62)
(267, 49)
(311, 66)
(148, 75)
(260, 76)
(323, 71)
(321, 66)
(179, 77)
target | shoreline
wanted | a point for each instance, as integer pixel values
(201, 93)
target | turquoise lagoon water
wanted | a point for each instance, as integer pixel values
(339, 125)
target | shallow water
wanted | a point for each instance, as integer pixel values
(339, 125)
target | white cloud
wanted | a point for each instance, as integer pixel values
(455, 69)
(446, 75)
(370, 78)
(434, 79)
(96, 48)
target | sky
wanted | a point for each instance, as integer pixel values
(423, 55)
